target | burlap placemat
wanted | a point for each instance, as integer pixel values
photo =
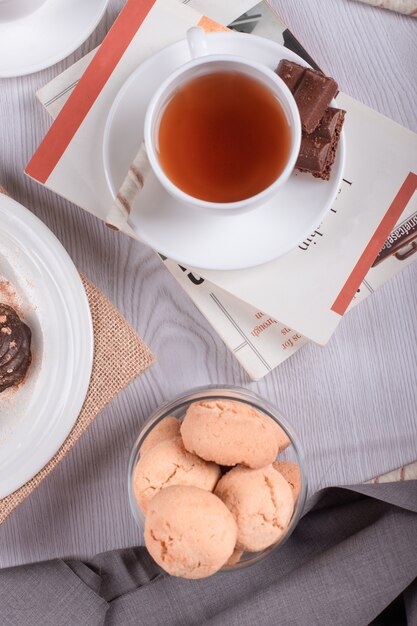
(120, 356)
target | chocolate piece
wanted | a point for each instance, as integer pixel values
(318, 150)
(325, 173)
(290, 73)
(313, 153)
(15, 355)
(321, 123)
(329, 123)
(312, 91)
(313, 95)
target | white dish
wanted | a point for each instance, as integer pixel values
(48, 35)
(211, 241)
(36, 417)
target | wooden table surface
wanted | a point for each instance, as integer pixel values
(353, 403)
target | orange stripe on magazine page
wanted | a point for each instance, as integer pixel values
(88, 89)
(371, 251)
(210, 26)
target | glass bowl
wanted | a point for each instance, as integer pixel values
(178, 408)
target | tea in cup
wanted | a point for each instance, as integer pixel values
(222, 132)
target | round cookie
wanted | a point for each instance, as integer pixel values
(261, 502)
(282, 437)
(291, 472)
(167, 428)
(229, 432)
(169, 463)
(189, 531)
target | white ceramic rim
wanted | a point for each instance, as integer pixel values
(71, 293)
(262, 73)
(59, 56)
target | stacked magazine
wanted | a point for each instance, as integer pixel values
(263, 314)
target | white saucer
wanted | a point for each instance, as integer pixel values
(197, 239)
(47, 35)
(47, 291)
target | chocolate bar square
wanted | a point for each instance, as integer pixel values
(312, 91)
(291, 73)
(318, 150)
(313, 153)
(313, 95)
(329, 123)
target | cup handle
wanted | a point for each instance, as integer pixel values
(197, 42)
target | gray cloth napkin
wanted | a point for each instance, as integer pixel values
(352, 555)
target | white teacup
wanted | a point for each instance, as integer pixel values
(15, 9)
(203, 63)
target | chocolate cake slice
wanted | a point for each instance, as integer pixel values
(15, 354)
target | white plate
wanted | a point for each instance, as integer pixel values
(211, 241)
(47, 35)
(36, 418)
